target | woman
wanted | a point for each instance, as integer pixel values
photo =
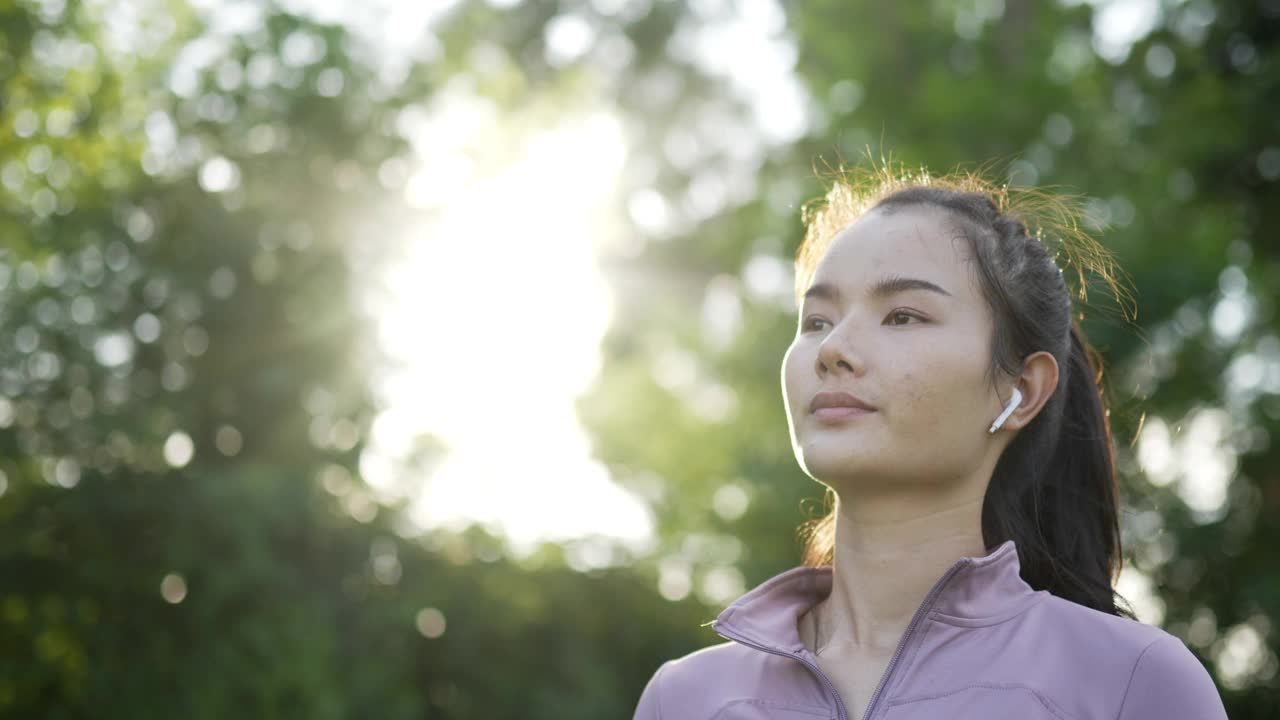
(940, 387)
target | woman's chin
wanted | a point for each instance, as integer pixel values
(837, 467)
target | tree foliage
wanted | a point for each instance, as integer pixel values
(184, 391)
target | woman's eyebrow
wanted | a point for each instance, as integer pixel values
(882, 288)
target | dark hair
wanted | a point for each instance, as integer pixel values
(1053, 490)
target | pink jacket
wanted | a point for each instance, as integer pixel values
(982, 645)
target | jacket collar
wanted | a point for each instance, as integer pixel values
(976, 590)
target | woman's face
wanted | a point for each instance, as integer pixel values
(917, 356)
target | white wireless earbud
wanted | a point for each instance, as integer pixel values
(1008, 410)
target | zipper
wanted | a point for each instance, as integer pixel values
(915, 620)
(893, 662)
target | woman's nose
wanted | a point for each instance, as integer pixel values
(836, 352)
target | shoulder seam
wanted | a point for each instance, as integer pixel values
(1124, 698)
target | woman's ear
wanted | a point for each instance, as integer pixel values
(1037, 382)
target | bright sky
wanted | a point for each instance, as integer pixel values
(495, 314)
(494, 374)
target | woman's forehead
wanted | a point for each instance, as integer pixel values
(915, 240)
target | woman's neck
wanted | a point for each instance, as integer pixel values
(886, 560)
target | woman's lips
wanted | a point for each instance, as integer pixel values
(839, 413)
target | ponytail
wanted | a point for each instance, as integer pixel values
(1054, 492)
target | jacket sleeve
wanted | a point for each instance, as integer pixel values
(650, 706)
(1169, 683)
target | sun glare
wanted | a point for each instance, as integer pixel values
(493, 314)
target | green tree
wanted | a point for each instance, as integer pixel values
(184, 384)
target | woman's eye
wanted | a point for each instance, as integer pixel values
(808, 323)
(901, 313)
